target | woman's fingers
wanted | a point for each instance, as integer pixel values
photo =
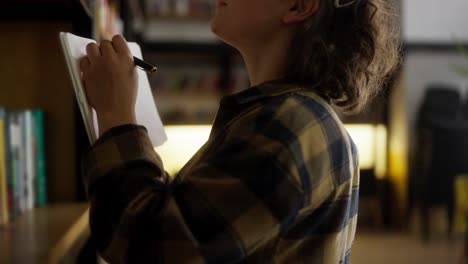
(93, 52)
(84, 63)
(120, 45)
(107, 49)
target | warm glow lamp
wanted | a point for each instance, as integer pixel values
(184, 141)
(371, 141)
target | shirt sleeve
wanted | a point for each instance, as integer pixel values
(232, 206)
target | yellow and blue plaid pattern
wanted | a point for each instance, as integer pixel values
(276, 182)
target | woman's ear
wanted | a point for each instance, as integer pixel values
(300, 10)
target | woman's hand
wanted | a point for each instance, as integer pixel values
(111, 82)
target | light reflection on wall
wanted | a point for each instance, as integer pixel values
(371, 141)
(184, 141)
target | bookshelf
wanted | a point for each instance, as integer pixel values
(195, 68)
(34, 76)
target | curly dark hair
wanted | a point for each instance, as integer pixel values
(346, 54)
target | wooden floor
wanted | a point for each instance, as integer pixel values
(386, 248)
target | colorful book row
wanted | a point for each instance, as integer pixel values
(22, 162)
(201, 80)
(180, 8)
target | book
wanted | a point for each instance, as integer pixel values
(9, 165)
(30, 171)
(14, 145)
(40, 182)
(21, 164)
(74, 48)
(191, 9)
(3, 177)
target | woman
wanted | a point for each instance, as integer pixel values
(277, 181)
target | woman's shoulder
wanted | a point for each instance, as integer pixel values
(288, 116)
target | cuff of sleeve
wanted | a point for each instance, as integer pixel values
(116, 149)
(116, 131)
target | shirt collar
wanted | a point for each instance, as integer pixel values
(261, 91)
(231, 105)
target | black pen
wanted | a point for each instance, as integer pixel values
(144, 65)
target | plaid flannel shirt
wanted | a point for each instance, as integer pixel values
(276, 182)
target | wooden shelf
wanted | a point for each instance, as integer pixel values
(188, 102)
(179, 31)
(187, 108)
(34, 75)
(54, 234)
(175, 46)
(409, 47)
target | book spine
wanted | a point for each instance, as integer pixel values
(9, 166)
(21, 176)
(40, 158)
(14, 156)
(22, 162)
(3, 177)
(29, 160)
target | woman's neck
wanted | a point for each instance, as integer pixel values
(266, 61)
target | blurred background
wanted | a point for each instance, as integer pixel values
(412, 139)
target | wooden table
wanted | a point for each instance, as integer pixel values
(53, 234)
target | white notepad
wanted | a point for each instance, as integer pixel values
(74, 48)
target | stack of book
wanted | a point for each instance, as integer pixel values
(22, 162)
(200, 80)
(186, 80)
(197, 9)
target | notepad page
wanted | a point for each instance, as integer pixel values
(145, 108)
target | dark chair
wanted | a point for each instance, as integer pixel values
(447, 158)
(465, 110)
(440, 101)
(438, 149)
(370, 204)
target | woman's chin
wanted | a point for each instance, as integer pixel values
(216, 29)
(223, 33)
